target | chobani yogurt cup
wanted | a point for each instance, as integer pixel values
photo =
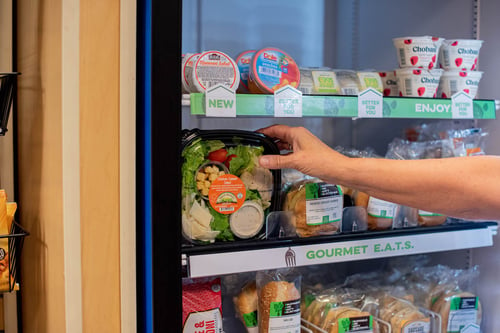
(418, 82)
(272, 69)
(454, 81)
(370, 79)
(187, 71)
(389, 82)
(460, 54)
(243, 60)
(418, 51)
(215, 67)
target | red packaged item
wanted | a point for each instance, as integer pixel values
(202, 306)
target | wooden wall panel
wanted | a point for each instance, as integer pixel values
(99, 157)
(40, 164)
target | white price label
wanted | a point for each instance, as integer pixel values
(288, 102)
(370, 104)
(461, 106)
(220, 101)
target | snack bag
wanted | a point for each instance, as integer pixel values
(279, 301)
(202, 306)
(5, 217)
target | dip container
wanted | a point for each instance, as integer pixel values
(213, 68)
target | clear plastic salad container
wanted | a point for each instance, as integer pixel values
(226, 195)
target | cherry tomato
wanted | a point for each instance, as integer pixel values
(228, 159)
(218, 155)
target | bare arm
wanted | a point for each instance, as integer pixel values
(466, 187)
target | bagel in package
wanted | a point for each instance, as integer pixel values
(279, 302)
(316, 207)
(458, 309)
(349, 319)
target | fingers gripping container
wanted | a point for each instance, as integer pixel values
(460, 54)
(420, 51)
(226, 195)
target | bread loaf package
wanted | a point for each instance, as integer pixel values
(315, 206)
(279, 301)
(246, 305)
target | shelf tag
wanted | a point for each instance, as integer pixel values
(461, 105)
(288, 102)
(220, 101)
(370, 104)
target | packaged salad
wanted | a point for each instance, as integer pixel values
(226, 194)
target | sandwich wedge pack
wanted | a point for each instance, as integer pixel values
(226, 194)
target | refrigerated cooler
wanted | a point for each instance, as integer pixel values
(344, 35)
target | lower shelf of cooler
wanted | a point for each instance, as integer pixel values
(220, 259)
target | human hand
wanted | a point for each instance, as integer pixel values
(309, 154)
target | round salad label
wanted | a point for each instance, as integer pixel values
(273, 69)
(227, 194)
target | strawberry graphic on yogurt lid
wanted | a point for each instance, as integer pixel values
(463, 74)
(414, 60)
(458, 62)
(421, 91)
(431, 65)
(387, 92)
(435, 39)
(455, 43)
(443, 95)
(408, 41)
(417, 71)
(466, 90)
(382, 74)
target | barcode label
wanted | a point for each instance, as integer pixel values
(270, 72)
(408, 86)
(453, 86)
(446, 57)
(402, 56)
(226, 209)
(323, 202)
(350, 91)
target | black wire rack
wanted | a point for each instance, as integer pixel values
(11, 257)
(7, 86)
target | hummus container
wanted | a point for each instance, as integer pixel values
(460, 54)
(213, 68)
(318, 81)
(370, 79)
(226, 195)
(389, 83)
(243, 60)
(187, 72)
(272, 69)
(418, 82)
(418, 51)
(454, 81)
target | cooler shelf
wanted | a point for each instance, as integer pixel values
(236, 257)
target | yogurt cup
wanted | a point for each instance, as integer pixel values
(454, 81)
(389, 83)
(188, 61)
(461, 54)
(418, 51)
(272, 69)
(243, 60)
(418, 82)
(212, 68)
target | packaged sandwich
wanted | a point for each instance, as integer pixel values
(279, 301)
(246, 305)
(315, 206)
